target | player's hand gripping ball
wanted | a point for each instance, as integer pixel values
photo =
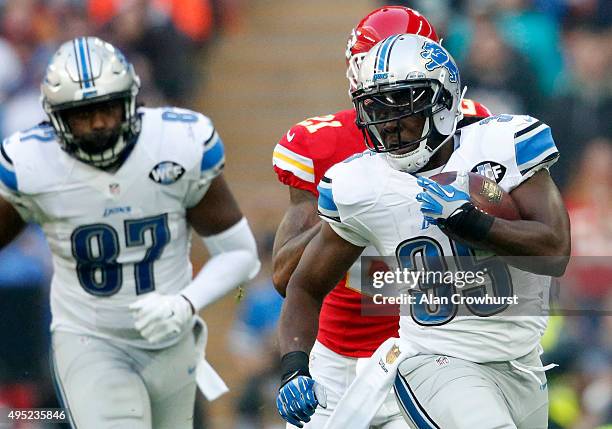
(449, 200)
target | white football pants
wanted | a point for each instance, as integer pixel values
(107, 385)
(446, 392)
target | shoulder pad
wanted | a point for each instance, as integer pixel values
(34, 149)
(352, 186)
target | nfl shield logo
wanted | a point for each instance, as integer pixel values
(114, 188)
(392, 354)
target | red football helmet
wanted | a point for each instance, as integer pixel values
(378, 25)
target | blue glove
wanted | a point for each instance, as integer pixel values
(439, 202)
(298, 398)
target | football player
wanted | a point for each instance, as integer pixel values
(345, 336)
(464, 371)
(116, 189)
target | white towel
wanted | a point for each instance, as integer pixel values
(208, 380)
(370, 388)
(210, 383)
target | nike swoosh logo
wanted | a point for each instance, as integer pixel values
(290, 377)
(290, 136)
(449, 195)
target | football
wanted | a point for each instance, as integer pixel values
(485, 194)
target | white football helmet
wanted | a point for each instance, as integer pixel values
(402, 76)
(84, 71)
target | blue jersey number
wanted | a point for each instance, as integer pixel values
(427, 254)
(96, 249)
(496, 118)
(171, 115)
(42, 133)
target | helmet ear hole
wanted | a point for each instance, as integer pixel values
(446, 99)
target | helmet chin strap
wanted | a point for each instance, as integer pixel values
(413, 160)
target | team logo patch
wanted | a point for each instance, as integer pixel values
(491, 170)
(438, 57)
(166, 172)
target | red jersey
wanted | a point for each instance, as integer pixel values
(300, 159)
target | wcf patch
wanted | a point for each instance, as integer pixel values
(166, 172)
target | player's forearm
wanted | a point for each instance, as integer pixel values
(11, 224)
(287, 257)
(234, 261)
(325, 261)
(299, 321)
(528, 245)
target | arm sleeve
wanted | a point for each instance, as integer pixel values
(9, 189)
(233, 261)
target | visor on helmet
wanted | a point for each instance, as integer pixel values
(380, 105)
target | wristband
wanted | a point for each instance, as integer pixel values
(294, 364)
(469, 222)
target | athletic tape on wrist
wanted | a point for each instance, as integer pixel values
(294, 364)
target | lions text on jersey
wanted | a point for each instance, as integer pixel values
(114, 236)
(368, 203)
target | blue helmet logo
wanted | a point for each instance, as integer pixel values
(438, 57)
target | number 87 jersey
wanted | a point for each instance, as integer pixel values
(116, 235)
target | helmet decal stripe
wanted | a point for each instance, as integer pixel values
(384, 53)
(377, 56)
(389, 52)
(93, 82)
(84, 63)
(76, 60)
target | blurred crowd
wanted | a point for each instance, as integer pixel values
(169, 37)
(551, 59)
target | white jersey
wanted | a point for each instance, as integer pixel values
(114, 235)
(367, 202)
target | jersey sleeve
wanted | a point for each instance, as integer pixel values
(292, 162)
(9, 189)
(209, 167)
(339, 217)
(534, 148)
